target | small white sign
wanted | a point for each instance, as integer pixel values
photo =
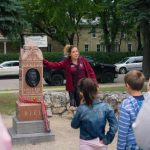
(40, 40)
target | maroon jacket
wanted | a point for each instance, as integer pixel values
(65, 64)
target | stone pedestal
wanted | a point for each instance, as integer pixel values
(29, 125)
(24, 132)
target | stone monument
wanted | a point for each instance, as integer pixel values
(30, 125)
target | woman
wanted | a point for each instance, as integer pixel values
(76, 67)
(91, 118)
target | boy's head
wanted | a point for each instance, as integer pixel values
(134, 79)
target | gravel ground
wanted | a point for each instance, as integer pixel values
(66, 138)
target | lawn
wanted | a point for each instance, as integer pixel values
(7, 103)
(8, 100)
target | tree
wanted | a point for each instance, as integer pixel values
(63, 16)
(140, 10)
(11, 17)
(110, 20)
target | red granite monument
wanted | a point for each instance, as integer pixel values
(30, 124)
(30, 83)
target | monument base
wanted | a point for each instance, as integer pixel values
(25, 132)
(28, 111)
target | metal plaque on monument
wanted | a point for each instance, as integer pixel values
(30, 125)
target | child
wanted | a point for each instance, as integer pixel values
(5, 139)
(91, 118)
(134, 81)
(142, 122)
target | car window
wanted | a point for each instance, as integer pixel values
(16, 64)
(138, 61)
(7, 65)
(130, 61)
(134, 61)
(124, 60)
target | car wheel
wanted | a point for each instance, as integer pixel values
(48, 81)
(123, 70)
(107, 77)
(57, 80)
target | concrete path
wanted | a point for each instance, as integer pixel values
(66, 138)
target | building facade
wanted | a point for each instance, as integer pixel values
(88, 41)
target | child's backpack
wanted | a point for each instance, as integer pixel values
(141, 126)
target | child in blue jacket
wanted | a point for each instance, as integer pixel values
(91, 118)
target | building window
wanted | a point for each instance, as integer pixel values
(93, 34)
(98, 47)
(102, 47)
(129, 47)
(86, 47)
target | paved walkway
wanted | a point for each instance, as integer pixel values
(66, 138)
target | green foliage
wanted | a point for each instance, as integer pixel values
(97, 56)
(11, 20)
(110, 20)
(140, 12)
(101, 57)
(10, 56)
(55, 56)
(139, 9)
(110, 58)
(63, 16)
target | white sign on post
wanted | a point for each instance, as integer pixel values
(40, 40)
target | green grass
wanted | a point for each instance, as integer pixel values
(112, 89)
(118, 89)
(103, 89)
(8, 103)
(8, 100)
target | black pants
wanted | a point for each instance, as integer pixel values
(74, 98)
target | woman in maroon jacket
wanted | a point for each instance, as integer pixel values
(73, 75)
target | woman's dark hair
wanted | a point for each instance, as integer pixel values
(89, 88)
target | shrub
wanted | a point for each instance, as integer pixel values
(102, 57)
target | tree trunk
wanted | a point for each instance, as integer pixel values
(146, 48)
(120, 41)
(138, 33)
(106, 34)
(77, 40)
(71, 39)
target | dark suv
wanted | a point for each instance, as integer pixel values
(105, 73)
